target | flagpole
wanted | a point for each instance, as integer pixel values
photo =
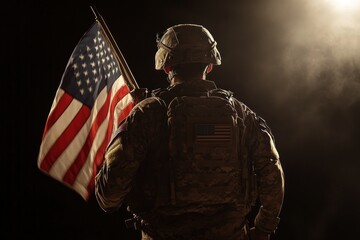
(130, 80)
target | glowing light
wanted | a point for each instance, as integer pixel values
(344, 4)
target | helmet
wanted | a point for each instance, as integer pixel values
(186, 43)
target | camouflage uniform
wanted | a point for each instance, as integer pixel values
(135, 173)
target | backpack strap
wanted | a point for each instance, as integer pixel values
(248, 180)
(219, 92)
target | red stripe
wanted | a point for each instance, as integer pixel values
(79, 161)
(65, 138)
(60, 107)
(125, 112)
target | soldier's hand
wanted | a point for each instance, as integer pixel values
(258, 235)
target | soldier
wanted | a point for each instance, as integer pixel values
(190, 161)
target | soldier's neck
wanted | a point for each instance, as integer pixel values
(178, 79)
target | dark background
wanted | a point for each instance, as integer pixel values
(294, 62)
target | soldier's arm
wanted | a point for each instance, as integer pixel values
(270, 176)
(113, 181)
(124, 155)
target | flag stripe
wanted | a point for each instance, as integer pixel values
(65, 138)
(125, 112)
(60, 107)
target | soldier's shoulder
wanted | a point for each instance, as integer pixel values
(150, 104)
(242, 107)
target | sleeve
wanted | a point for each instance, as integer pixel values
(124, 155)
(269, 175)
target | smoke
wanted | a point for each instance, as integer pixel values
(323, 50)
(320, 90)
(305, 69)
(319, 77)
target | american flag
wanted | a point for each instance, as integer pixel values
(91, 101)
(213, 133)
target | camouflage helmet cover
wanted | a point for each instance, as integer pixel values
(186, 43)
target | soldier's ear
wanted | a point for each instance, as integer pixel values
(209, 68)
(167, 70)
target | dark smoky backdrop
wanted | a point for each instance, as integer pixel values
(294, 62)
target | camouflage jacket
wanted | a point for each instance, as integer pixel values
(133, 169)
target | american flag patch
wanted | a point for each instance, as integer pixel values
(213, 133)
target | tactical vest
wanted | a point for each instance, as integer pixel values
(204, 151)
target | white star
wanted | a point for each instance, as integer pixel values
(81, 56)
